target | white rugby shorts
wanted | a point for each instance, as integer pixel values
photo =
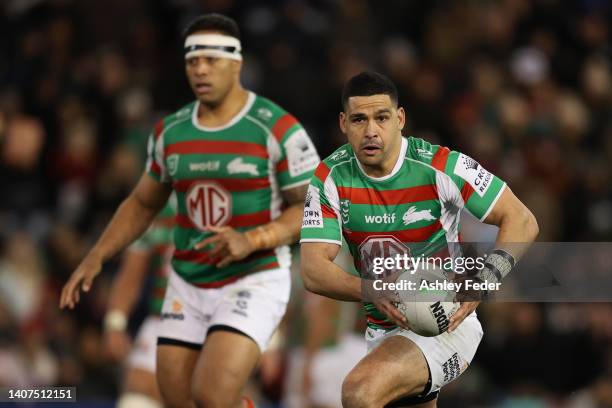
(252, 305)
(448, 354)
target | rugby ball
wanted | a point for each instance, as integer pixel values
(428, 303)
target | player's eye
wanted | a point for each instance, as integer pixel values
(382, 118)
(212, 60)
(358, 119)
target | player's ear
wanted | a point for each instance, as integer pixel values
(342, 122)
(401, 116)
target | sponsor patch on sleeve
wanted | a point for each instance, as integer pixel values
(313, 217)
(473, 173)
(301, 153)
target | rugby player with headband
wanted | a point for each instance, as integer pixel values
(213, 45)
(240, 166)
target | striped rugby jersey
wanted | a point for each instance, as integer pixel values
(415, 209)
(230, 175)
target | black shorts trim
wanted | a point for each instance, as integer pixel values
(413, 400)
(224, 327)
(164, 341)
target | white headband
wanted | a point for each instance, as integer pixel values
(213, 45)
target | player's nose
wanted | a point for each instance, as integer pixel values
(371, 129)
(202, 67)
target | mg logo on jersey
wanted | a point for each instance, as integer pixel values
(412, 215)
(380, 219)
(380, 246)
(208, 205)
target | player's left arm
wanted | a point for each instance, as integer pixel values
(518, 228)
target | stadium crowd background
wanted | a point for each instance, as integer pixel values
(523, 86)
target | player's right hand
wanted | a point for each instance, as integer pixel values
(81, 279)
(117, 344)
(386, 306)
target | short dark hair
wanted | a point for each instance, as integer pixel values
(369, 83)
(213, 22)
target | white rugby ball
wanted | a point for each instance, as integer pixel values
(428, 310)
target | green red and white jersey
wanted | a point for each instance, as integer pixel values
(231, 175)
(157, 242)
(415, 209)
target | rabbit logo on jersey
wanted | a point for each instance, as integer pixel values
(313, 218)
(473, 173)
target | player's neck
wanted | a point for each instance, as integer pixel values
(221, 114)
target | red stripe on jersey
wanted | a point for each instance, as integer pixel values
(328, 212)
(322, 171)
(202, 257)
(184, 222)
(282, 165)
(282, 125)
(155, 167)
(439, 159)
(408, 235)
(237, 221)
(467, 191)
(382, 323)
(377, 321)
(388, 197)
(217, 147)
(158, 129)
(230, 184)
(250, 220)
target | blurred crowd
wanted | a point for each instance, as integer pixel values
(523, 86)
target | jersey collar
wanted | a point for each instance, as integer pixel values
(245, 109)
